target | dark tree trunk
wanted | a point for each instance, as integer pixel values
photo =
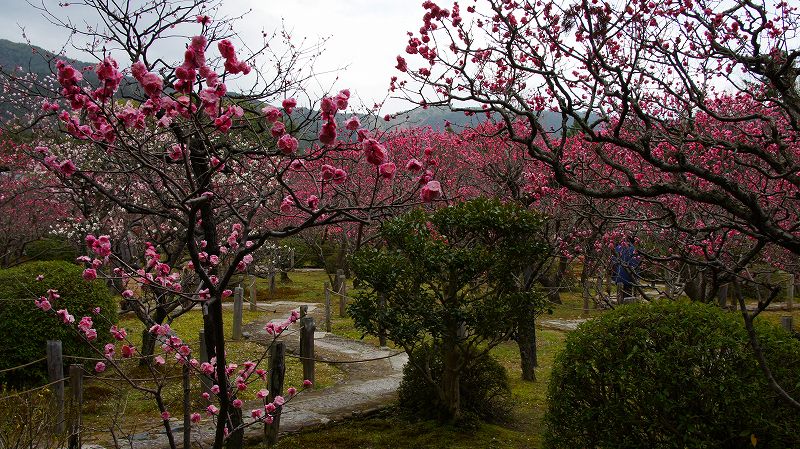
(341, 257)
(551, 284)
(526, 340)
(148, 340)
(236, 439)
(451, 376)
(553, 281)
(699, 285)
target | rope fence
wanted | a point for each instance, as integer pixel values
(23, 365)
(339, 362)
(40, 387)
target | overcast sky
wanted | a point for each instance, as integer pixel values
(365, 35)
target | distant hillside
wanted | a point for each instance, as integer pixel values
(21, 58)
(436, 117)
(34, 59)
(15, 55)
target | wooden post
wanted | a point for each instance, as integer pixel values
(276, 375)
(342, 295)
(335, 285)
(76, 385)
(722, 295)
(303, 311)
(238, 298)
(338, 280)
(147, 342)
(272, 283)
(327, 306)
(55, 373)
(381, 311)
(307, 328)
(187, 408)
(786, 322)
(253, 294)
(204, 380)
(790, 292)
(461, 333)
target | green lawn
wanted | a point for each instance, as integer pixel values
(305, 286)
(393, 429)
(104, 396)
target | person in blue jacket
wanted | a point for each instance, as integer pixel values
(625, 269)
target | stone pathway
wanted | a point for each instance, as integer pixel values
(560, 325)
(366, 387)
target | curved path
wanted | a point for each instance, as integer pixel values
(366, 386)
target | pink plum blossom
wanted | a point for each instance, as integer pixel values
(43, 304)
(339, 176)
(327, 135)
(66, 318)
(413, 165)
(312, 201)
(431, 191)
(374, 151)
(67, 168)
(176, 152)
(352, 123)
(271, 113)
(287, 204)
(287, 144)
(387, 170)
(289, 104)
(278, 129)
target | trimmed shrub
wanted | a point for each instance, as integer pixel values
(304, 255)
(485, 391)
(671, 375)
(26, 329)
(50, 248)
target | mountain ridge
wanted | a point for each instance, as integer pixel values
(34, 59)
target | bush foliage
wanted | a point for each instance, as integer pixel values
(671, 375)
(451, 278)
(485, 391)
(26, 329)
(50, 248)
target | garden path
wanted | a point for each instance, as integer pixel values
(366, 387)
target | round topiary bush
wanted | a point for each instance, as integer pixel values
(50, 248)
(671, 375)
(25, 328)
(485, 391)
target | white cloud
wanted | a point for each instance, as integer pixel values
(364, 35)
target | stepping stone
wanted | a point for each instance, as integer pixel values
(294, 304)
(140, 436)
